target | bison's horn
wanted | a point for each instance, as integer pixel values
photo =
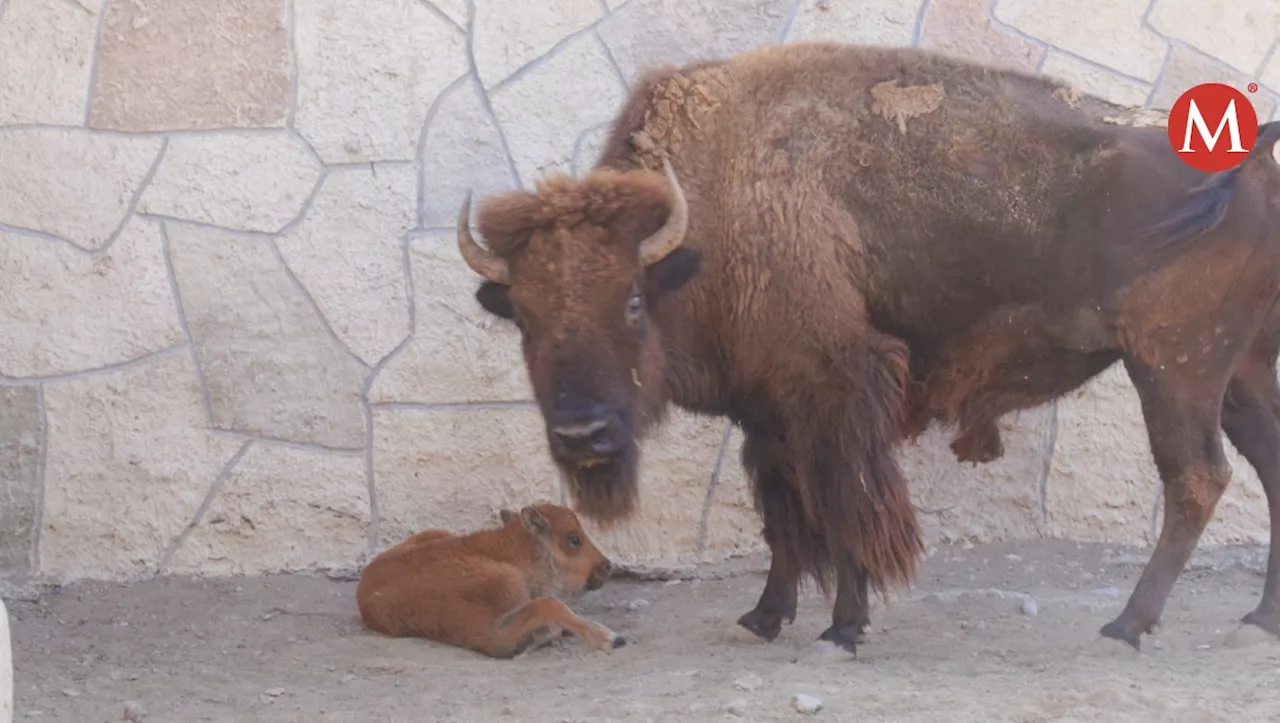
(671, 235)
(478, 258)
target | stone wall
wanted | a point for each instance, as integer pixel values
(236, 335)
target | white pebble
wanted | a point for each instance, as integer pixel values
(806, 704)
(71, 692)
(1030, 608)
(737, 706)
(134, 712)
(274, 692)
(748, 682)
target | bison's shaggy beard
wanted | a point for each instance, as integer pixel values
(606, 492)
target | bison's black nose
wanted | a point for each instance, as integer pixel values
(591, 435)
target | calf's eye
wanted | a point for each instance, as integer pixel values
(575, 541)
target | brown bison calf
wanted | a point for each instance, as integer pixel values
(496, 591)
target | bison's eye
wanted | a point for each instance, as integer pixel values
(635, 307)
(575, 542)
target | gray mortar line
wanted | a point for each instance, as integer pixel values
(485, 103)
(918, 31)
(420, 154)
(613, 62)
(290, 27)
(430, 6)
(91, 96)
(201, 383)
(1158, 84)
(95, 371)
(711, 489)
(214, 489)
(315, 447)
(132, 209)
(1046, 466)
(315, 308)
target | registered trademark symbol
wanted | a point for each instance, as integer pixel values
(1253, 87)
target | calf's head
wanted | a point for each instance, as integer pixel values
(579, 266)
(578, 563)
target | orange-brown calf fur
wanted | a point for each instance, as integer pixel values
(496, 591)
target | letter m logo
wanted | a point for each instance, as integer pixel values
(1212, 127)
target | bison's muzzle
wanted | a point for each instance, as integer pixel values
(586, 439)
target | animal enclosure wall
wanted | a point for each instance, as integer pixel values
(236, 335)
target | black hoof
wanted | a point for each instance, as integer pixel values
(845, 637)
(1269, 623)
(1125, 633)
(619, 642)
(763, 625)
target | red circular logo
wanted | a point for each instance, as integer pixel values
(1212, 127)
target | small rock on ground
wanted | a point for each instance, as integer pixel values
(134, 712)
(1030, 608)
(748, 682)
(806, 704)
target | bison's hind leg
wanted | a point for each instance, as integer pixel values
(1251, 419)
(539, 621)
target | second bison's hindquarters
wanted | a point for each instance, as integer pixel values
(836, 246)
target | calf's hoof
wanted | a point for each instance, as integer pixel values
(618, 642)
(761, 624)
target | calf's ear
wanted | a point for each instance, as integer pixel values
(505, 515)
(494, 299)
(535, 523)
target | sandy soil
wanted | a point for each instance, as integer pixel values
(958, 647)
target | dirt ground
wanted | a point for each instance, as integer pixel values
(960, 646)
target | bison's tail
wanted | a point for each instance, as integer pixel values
(857, 500)
(1206, 205)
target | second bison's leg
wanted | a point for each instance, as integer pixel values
(762, 456)
(1251, 419)
(1182, 418)
(851, 616)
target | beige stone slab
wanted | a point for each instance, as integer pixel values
(459, 351)
(191, 64)
(964, 502)
(733, 525)
(367, 75)
(963, 28)
(455, 468)
(71, 183)
(1237, 32)
(65, 311)
(1110, 32)
(545, 109)
(1103, 484)
(347, 253)
(1271, 73)
(1188, 68)
(270, 365)
(1095, 80)
(869, 22)
(462, 151)
(675, 469)
(244, 180)
(129, 462)
(281, 509)
(46, 53)
(645, 33)
(505, 40)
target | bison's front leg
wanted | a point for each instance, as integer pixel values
(777, 601)
(762, 457)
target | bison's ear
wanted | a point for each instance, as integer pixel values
(493, 297)
(673, 271)
(535, 523)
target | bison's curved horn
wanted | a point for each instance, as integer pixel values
(671, 235)
(481, 260)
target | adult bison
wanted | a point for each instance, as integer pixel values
(862, 241)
